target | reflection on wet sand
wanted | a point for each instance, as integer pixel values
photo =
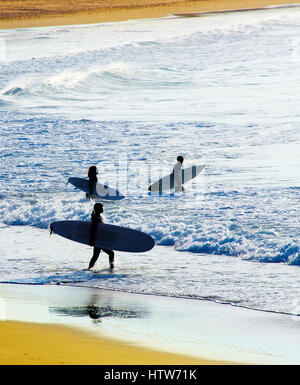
(96, 311)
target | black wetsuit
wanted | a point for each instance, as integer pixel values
(96, 218)
(92, 180)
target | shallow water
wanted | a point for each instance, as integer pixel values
(130, 97)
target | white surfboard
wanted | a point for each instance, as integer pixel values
(168, 182)
(99, 190)
(107, 236)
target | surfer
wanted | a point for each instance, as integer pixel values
(96, 218)
(177, 170)
(92, 175)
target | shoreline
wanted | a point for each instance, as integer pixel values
(61, 324)
(58, 13)
(201, 329)
(41, 326)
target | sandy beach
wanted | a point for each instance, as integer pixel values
(21, 345)
(43, 326)
(58, 324)
(31, 13)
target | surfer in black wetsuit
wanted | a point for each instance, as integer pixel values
(92, 175)
(96, 218)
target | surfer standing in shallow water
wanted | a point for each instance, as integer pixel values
(92, 175)
(177, 170)
(96, 218)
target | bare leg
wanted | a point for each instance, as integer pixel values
(94, 257)
(111, 256)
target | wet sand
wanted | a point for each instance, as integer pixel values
(39, 13)
(56, 325)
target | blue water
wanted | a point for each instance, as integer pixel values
(129, 97)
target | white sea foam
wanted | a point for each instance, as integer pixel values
(129, 97)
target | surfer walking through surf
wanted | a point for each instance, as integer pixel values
(177, 170)
(95, 219)
(92, 175)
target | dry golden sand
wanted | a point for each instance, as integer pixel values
(37, 13)
(23, 343)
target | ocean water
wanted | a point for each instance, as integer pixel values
(129, 97)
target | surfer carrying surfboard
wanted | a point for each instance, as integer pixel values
(92, 175)
(177, 170)
(96, 218)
